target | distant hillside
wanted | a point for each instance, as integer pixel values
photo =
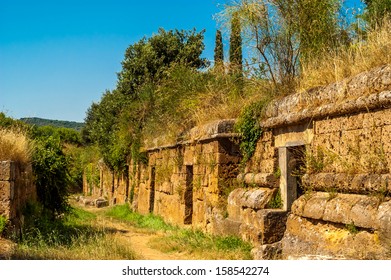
(56, 123)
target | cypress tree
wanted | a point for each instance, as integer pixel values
(219, 53)
(235, 50)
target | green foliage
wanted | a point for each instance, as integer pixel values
(10, 123)
(54, 123)
(75, 236)
(276, 201)
(116, 124)
(248, 126)
(235, 49)
(41, 230)
(376, 11)
(75, 165)
(147, 60)
(318, 27)
(149, 221)
(51, 175)
(219, 50)
(3, 224)
(66, 135)
(283, 33)
(205, 245)
(352, 228)
(182, 239)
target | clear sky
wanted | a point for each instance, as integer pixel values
(57, 57)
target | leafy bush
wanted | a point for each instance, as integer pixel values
(51, 175)
(3, 224)
(249, 128)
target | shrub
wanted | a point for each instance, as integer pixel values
(51, 175)
(3, 224)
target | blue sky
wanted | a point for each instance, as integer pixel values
(57, 57)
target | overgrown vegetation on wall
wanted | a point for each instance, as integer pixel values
(55, 155)
(164, 89)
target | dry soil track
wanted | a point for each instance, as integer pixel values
(137, 239)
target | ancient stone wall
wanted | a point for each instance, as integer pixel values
(333, 157)
(16, 188)
(318, 185)
(188, 183)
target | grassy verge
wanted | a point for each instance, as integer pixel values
(193, 242)
(75, 236)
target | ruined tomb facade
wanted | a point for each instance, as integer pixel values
(16, 189)
(332, 155)
(317, 187)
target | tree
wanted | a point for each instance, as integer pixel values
(148, 60)
(376, 11)
(51, 175)
(117, 121)
(219, 52)
(317, 26)
(284, 33)
(235, 49)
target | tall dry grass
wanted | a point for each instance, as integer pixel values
(369, 52)
(15, 146)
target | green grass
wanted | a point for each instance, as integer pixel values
(74, 236)
(193, 242)
(3, 224)
(203, 245)
(151, 222)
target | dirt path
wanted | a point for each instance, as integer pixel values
(137, 239)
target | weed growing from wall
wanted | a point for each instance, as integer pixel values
(3, 224)
(276, 201)
(249, 128)
(352, 228)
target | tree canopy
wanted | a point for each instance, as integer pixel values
(116, 122)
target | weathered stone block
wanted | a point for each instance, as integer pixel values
(386, 139)
(338, 209)
(382, 118)
(267, 136)
(272, 224)
(349, 141)
(188, 156)
(267, 251)
(7, 171)
(226, 227)
(305, 239)
(352, 122)
(269, 151)
(256, 198)
(100, 202)
(315, 206)
(358, 182)
(384, 219)
(363, 213)
(250, 234)
(385, 183)
(6, 190)
(298, 205)
(233, 204)
(166, 187)
(328, 126)
(260, 179)
(268, 166)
